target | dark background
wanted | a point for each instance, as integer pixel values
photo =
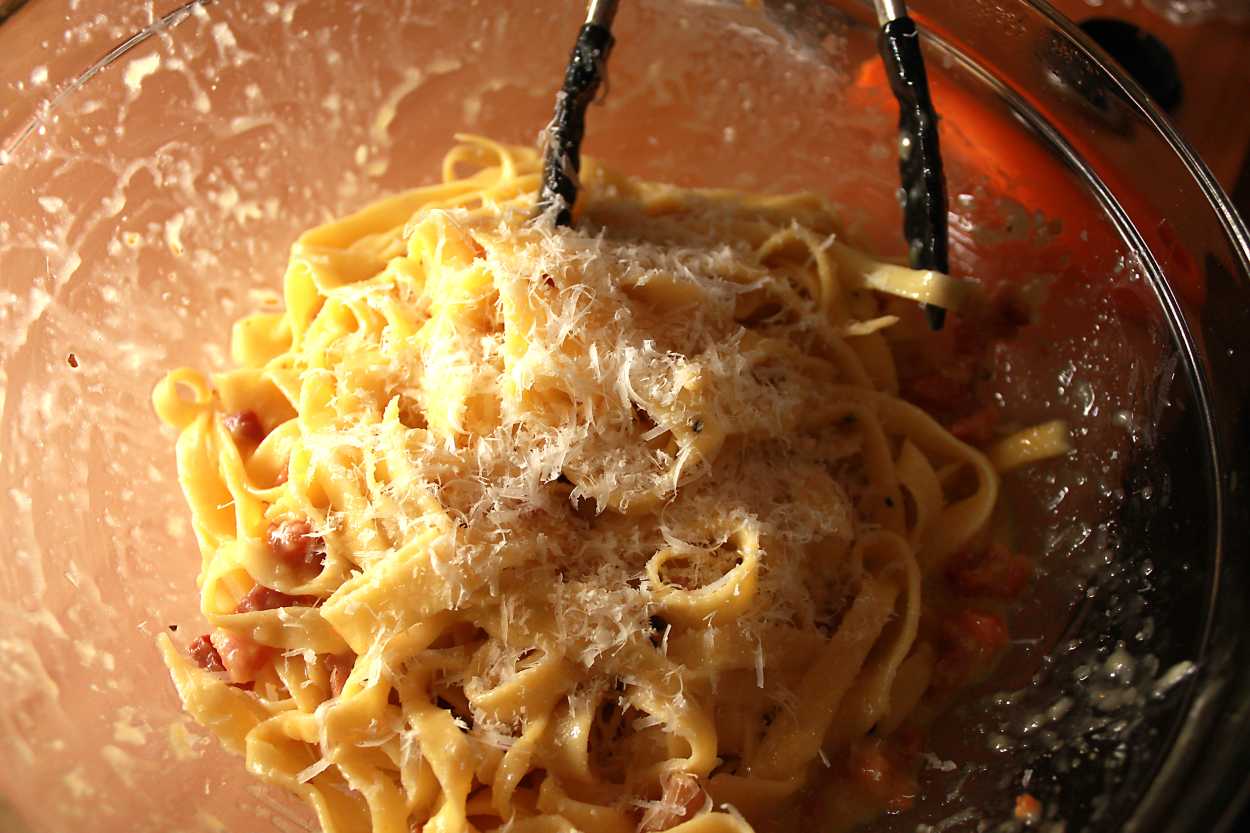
(1198, 72)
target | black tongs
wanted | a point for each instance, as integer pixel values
(920, 163)
(919, 159)
(562, 159)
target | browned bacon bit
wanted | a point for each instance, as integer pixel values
(261, 597)
(994, 572)
(294, 542)
(241, 655)
(340, 668)
(204, 654)
(678, 801)
(245, 428)
(1028, 809)
(969, 644)
(884, 771)
(977, 428)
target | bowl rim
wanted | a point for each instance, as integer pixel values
(1198, 724)
(1223, 801)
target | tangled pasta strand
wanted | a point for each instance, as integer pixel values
(624, 526)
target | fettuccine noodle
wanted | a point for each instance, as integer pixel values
(620, 527)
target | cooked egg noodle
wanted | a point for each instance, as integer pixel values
(608, 513)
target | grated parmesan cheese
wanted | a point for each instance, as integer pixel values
(574, 490)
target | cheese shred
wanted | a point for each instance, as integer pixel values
(521, 514)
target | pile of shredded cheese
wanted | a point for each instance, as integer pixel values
(616, 527)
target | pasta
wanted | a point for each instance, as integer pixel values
(622, 527)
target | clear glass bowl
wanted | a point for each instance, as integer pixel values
(158, 159)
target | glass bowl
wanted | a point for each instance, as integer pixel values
(159, 158)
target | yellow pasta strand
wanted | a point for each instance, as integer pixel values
(511, 527)
(1031, 445)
